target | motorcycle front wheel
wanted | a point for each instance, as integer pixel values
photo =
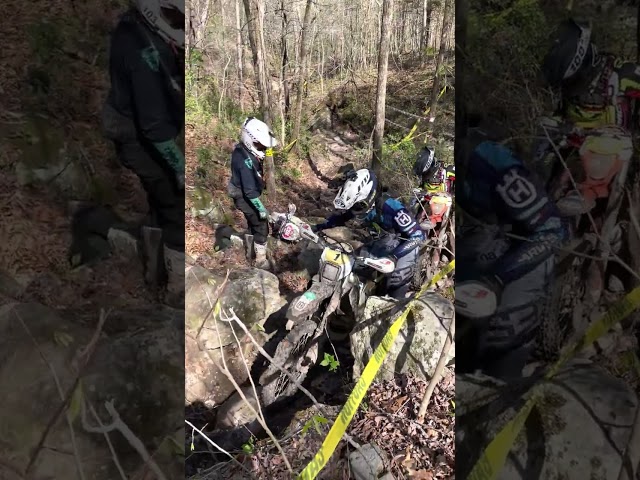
(295, 354)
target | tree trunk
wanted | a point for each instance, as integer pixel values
(424, 34)
(239, 53)
(254, 10)
(284, 90)
(461, 42)
(297, 118)
(446, 25)
(383, 65)
(285, 60)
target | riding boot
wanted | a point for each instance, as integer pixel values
(261, 256)
(174, 262)
(152, 256)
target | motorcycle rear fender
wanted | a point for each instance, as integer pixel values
(309, 302)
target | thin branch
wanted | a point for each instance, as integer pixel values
(227, 373)
(437, 372)
(219, 448)
(118, 424)
(65, 400)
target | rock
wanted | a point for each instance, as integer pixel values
(142, 372)
(9, 286)
(254, 295)
(417, 347)
(204, 206)
(577, 431)
(368, 463)
(321, 120)
(308, 259)
(235, 412)
(123, 244)
(139, 372)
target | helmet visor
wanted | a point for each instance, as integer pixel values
(258, 146)
(360, 208)
(173, 17)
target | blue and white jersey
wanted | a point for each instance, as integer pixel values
(498, 190)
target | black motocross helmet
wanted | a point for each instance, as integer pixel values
(425, 164)
(570, 54)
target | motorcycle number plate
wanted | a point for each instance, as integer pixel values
(335, 258)
(288, 232)
(305, 300)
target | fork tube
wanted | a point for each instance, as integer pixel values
(611, 213)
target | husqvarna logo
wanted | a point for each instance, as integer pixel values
(516, 190)
(403, 219)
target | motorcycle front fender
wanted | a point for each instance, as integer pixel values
(309, 302)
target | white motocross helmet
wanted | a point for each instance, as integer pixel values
(358, 193)
(257, 137)
(166, 17)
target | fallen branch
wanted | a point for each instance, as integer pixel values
(438, 372)
(118, 424)
(260, 419)
(218, 447)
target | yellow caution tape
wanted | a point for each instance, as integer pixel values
(364, 382)
(493, 458)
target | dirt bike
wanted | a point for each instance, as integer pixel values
(433, 212)
(335, 289)
(474, 303)
(288, 227)
(598, 160)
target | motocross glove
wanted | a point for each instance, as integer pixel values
(258, 205)
(318, 227)
(174, 157)
(180, 181)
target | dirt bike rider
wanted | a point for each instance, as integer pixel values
(432, 174)
(450, 175)
(595, 88)
(500, 196)
(430, 170)
(361, 198)
(247, 182)
(144, 114)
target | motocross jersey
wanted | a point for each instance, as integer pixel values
(247, 174)
(502, 195)
(606, 96)
(391, 216)
(147, 86)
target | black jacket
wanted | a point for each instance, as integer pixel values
(141, 65)
(247, 174)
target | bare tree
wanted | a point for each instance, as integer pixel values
(239, 50)
(198, 17)
(446, 26)
(383, 66)
(254, 11)
(302, 55)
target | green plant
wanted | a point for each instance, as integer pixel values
(204, 155)
(331, 362)
(314, 422)
(249, 447)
